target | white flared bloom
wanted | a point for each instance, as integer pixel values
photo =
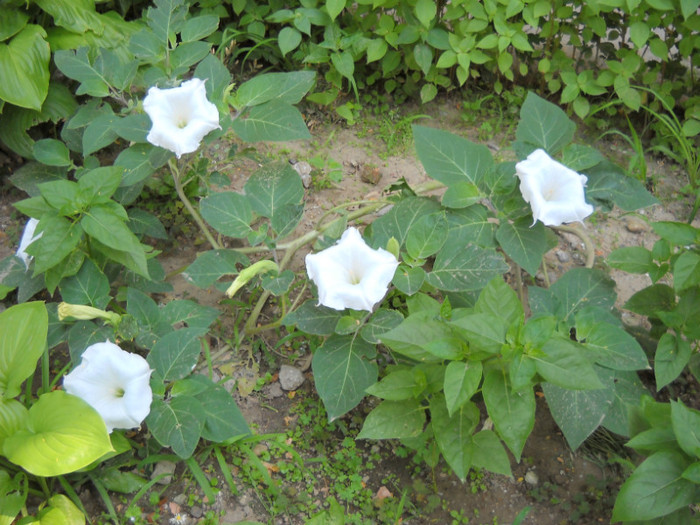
(350, 274)
(181, 116)
(114, 382)
(555, 193)
(28, 237)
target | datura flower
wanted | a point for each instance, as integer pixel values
(350, 274)
(114, 382)
(28, 237)
(555, 193)
(181, 116)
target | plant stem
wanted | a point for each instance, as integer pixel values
(587, 242)
(188, 205)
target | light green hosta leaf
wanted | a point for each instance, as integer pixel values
(289, 88)
(272, 187)
(460, 268)
(177, 423)
(209, 266)
(78, 16)
(512, 413)
(454, 434)
(227, 212)
(342, 372)
(394, 420)
(175, 354)
(523, 242)
(24, 68)
(13, 417)
(23, 330)
(63, 434)
(11, 22)
(655, 488)
(449, 158)
(544, 125)
(273, 121)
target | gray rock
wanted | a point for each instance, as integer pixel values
(563, 256)
(273, 391)
(164, 467)
(291, 378)
(196, 511)
(531, 478)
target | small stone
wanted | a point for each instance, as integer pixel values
(304, 171)
(531, 478)
(563, 256)
(164, 467)
(291, 378)
(180, 499)
(274, 391)
(370, 174)
(635, 224)
(196, 511)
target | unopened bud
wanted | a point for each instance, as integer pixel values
(84, 313)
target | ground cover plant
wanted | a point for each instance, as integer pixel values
(432, 308)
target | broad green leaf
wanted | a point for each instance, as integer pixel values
(580, 158)
(272, 187)
(427, 235)
(89, 287)
(689, 7)
(577, 412)
(686, 271)
(490, 454)
(614, 348)
(167, 18)
(652, 299)
(499, 299)
(116, 480)
(632, 259)
(472, 225)
(686, 427)
(676, 232)
(61, 511)
(381, 322)
(454, 434)
(83, 334)
(227, 212)
(98, 185)
(217, 76)
(335, 7)
(142, 222)
(24, 68)
(286, 218)
(176, 353)
(51, 152)
(23, 330)
(133, 128)
(544, 125)
(288, 39)
(460, 194)
(199, 27)
(409, 280)
(148, 315)
(62, 195)
(628, 390)
(78, 16)
(654, 440)
(654, 489)
(399, 220)
(63, 434)
(396, 386)
(280, 284)
(523, 242)
(313, 319)
(342, 372)
(273, 121)
(137, 163)
(484, 331)
(419, 337)
(209, 266)
(344, 63)
(11, 22)
(394, 420)
(289, 88)
(566, 364)
(77, 65)
(13, 417)
(99, 133)
(187, 54)
(581, 287)
(222, 418)
(671, 357)
(423, 55)
(177, 423)
(460, 268)
(449, 158)
(608, 184)
(425, 11)
(512, 413)
(145, 45)
(193, 314)
(462, 379)
(106, 223)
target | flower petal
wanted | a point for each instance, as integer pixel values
(28, 238)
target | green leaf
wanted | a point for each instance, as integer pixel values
(523, 242)
(399, 220)
(278, 285)
(425, 11)
(614, 348)
(608, 184)
(222, 417)
(176, 353)
(460, 268)
(217, 76)
(187, 54)
(77, 65)
(686, 271)
(89, 286)
(83, 334)
(209, 266)
(394, 420)
(272, 187)
(289, 88)
(449, 158)
(483, 331)
(513, 413)
(454, 433)
(396, 386)
(274, 121)
(472, 225)
(580, 287)
(577, 412)
(632, 259)
(639, 34)
(99, 133)
(461, 194)
(286, 218)
(105, 223)
(98, 185)
(565, 364)
(11, 22)
(51, 152)
(142, 222)
(133, 128)
(63, 434)
(24, 68)
(313, 319)
(381, 322)
(500, 300)
(628, 390)
(462, 379)
(676, 232)
(689, 7)
(13, 417)
(344, 63)
(490, 454)
(166, 19)
(654, 489)
(686, 427)
(177, 423)
(288, 39)
(199, 27)
(652, 299)
(409, 280)
(427, 235)
(228, 212)
(342, 372)
(544, 125)
(59, 239)
(423, 56)
(423, 338)
(671, 357)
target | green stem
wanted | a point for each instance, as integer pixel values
(188, 205)
(587, 242)
(45, 371)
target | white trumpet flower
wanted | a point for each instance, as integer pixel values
(28, 237)
(181, 116)
(114, 382)
(555, 193)
(350, 274)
